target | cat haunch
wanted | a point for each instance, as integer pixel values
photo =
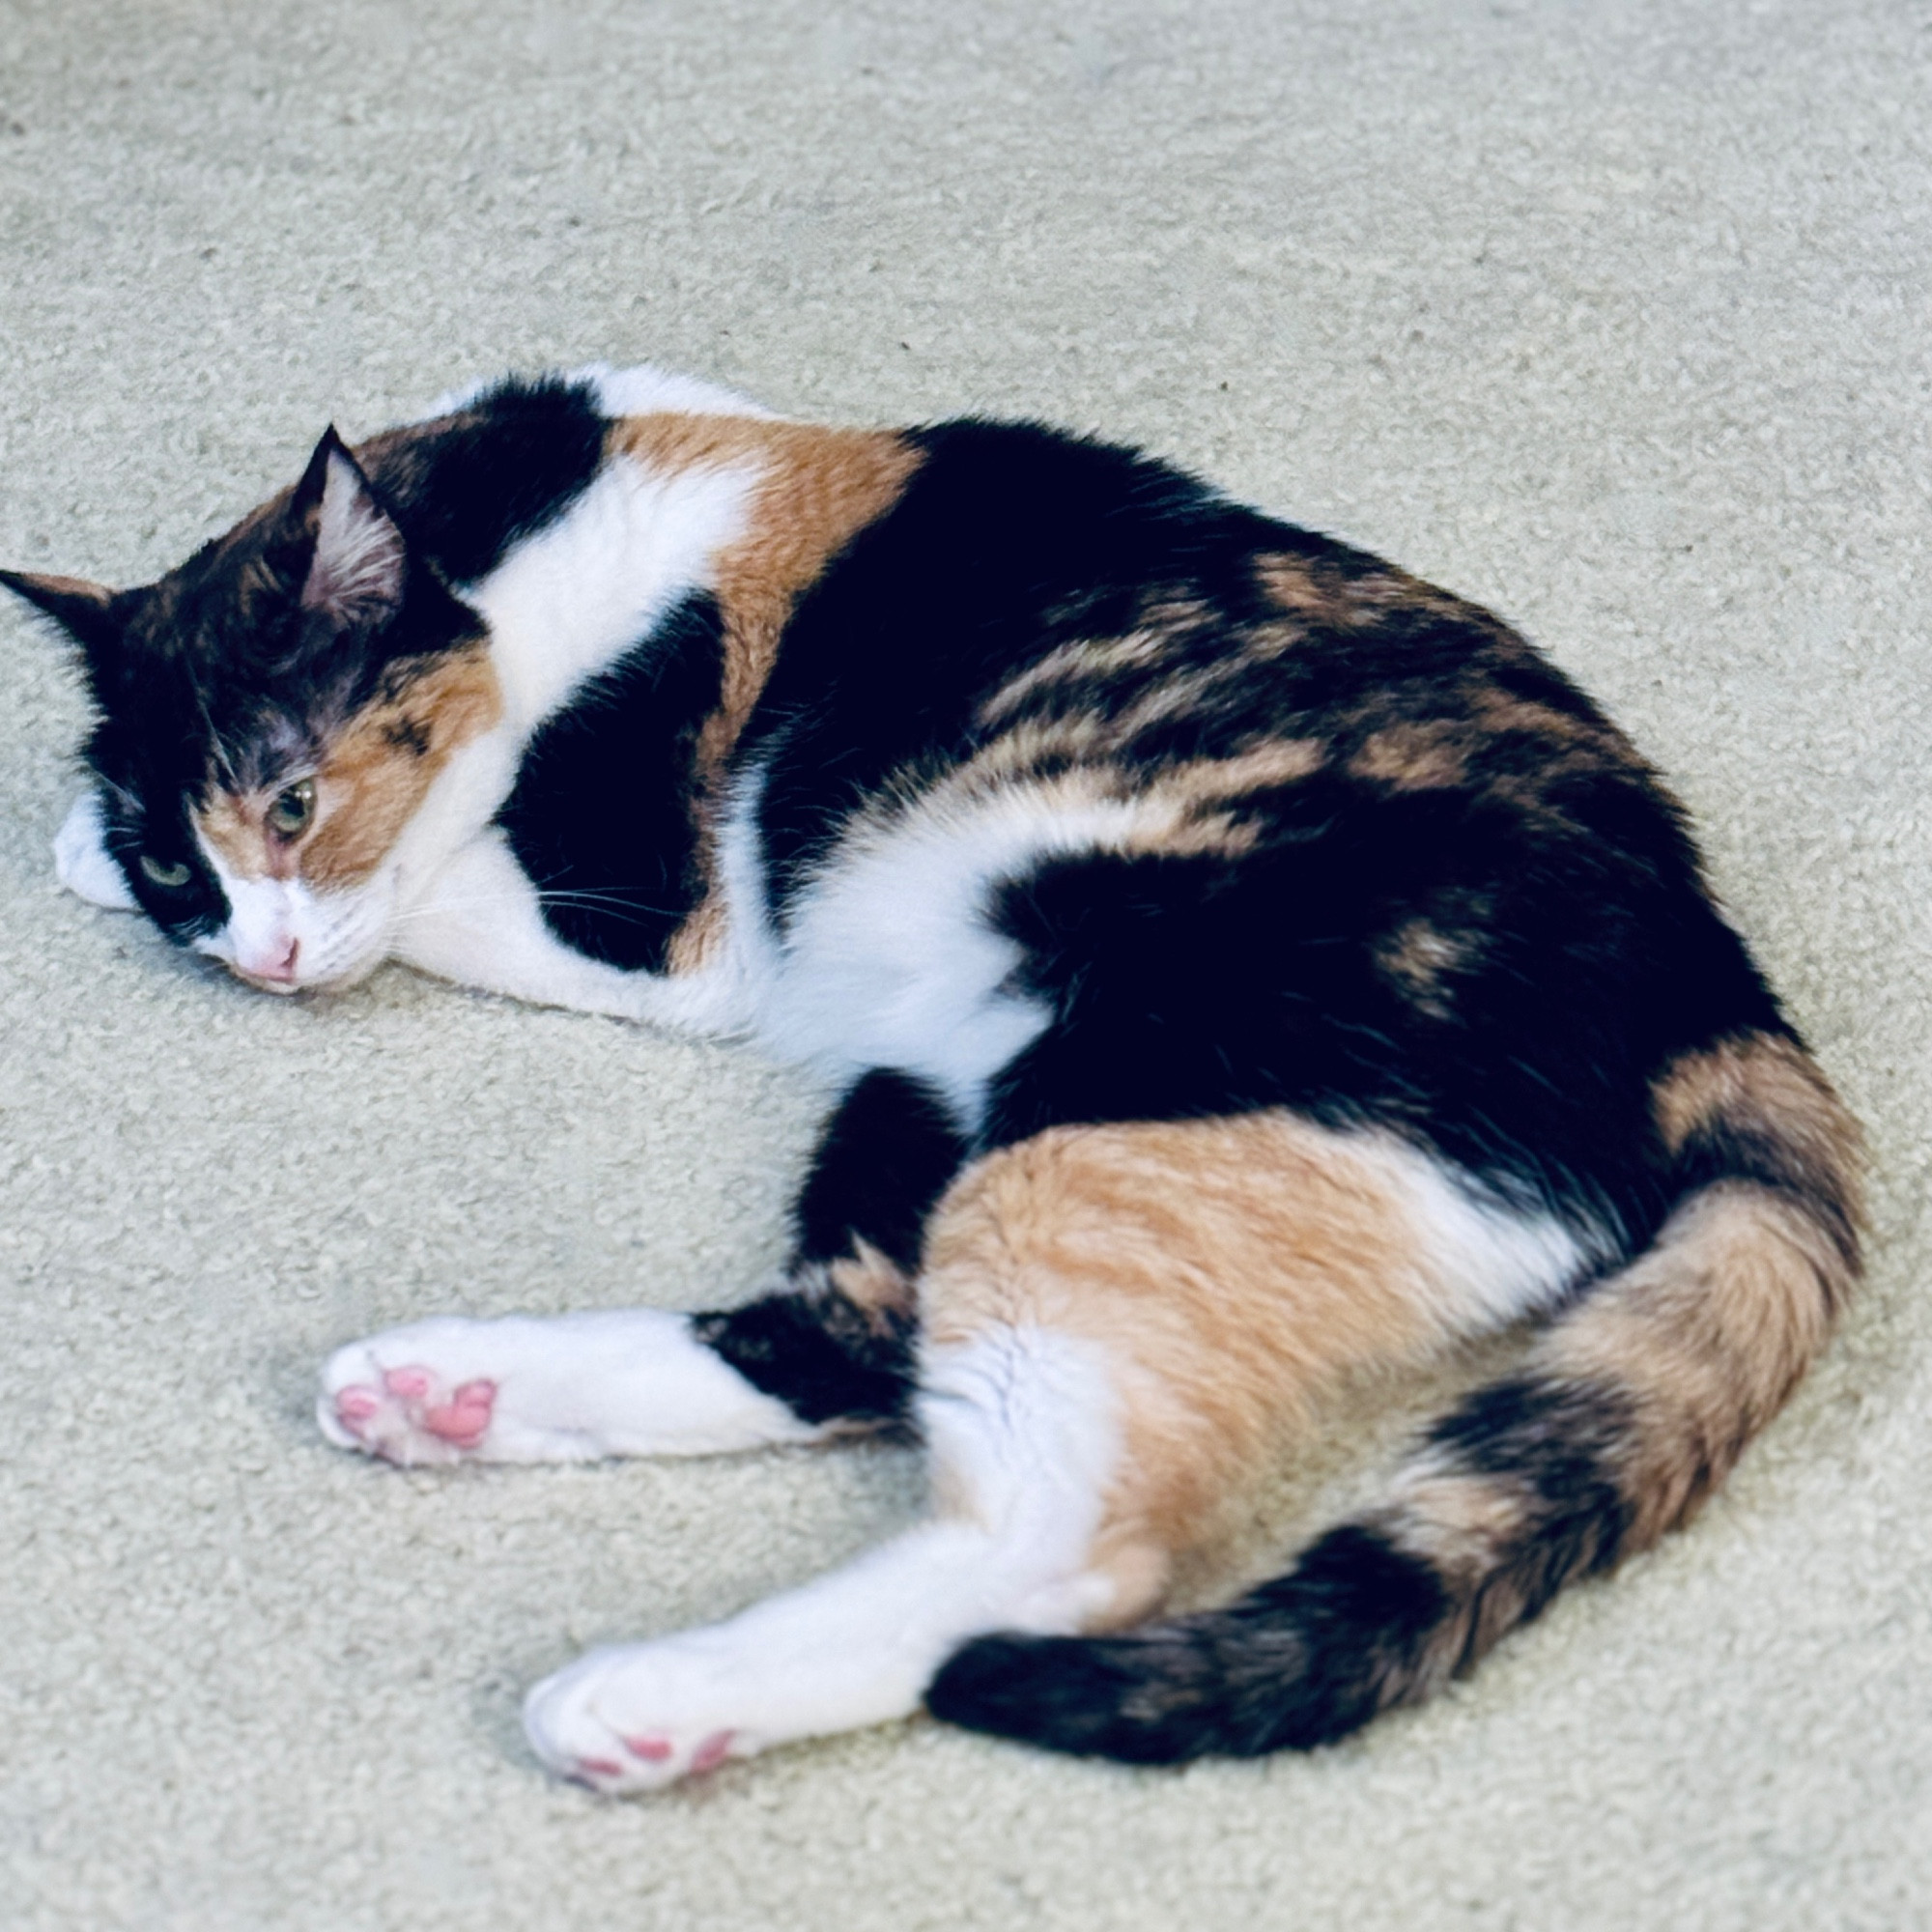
(1244, 965)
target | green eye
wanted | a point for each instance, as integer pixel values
(291, 808)
(170, 877)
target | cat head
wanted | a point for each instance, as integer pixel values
(269, 718)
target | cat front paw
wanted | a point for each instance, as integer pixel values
(81, 861)
(408, 1413)
(632, 1717)
(428, 1394)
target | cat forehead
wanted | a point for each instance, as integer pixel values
(231, 585)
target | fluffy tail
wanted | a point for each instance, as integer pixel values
(1631, 1408)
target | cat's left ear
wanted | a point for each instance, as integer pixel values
(357, 569)
(84, 610)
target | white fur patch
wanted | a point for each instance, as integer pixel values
(889, 957)
(81, 861)
(480, 923)
(1488, 1264)
(266, 918)
(569, 601)
(1025, 1440)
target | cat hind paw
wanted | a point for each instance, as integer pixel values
(632, 1719)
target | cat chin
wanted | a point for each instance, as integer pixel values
(340, 969)
(283, 986)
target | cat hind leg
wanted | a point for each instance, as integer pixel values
(1119, 1322)
(1021, 1429)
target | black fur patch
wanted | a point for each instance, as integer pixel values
(824, 1359)
(1296, 1664)
(194, 909)
(1722, 1149)
(501, 468)
(1559, 1447)
(1009, 540)
(600, 815)
(886, 1156)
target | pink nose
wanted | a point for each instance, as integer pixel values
(278, 966)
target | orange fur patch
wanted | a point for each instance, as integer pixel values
(816, 488)
(1666, 1369)
(1772, 1089)
(371, 778)
(1703, 1337)
(1417, 955)
(1415, 757)
(872, 1281)
(1181, 808)
(1707, 1334)
(1323, 593)
(1229, 1270)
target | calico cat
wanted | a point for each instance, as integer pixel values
(1242, 965)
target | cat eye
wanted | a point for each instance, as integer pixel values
(291, 808)
(171, 877)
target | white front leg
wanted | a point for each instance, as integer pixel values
(569, 1388)
(479, 922)
(81, 861)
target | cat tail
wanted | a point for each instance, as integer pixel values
(1631, 1407)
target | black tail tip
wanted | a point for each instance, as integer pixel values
(1070, 1694)
(1295, 1664)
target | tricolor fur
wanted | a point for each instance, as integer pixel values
(1243, 965)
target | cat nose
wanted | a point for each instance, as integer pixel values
(278, 966)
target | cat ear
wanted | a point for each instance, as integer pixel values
(84, 610)
(357, 569)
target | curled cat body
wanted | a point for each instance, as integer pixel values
(1242, 965)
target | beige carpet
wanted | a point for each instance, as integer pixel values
(1614, 315)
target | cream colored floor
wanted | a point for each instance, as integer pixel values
(1613, 315)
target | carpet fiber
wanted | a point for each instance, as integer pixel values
(1613, 316)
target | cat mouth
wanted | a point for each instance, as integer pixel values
(336, 981)
(263, 984)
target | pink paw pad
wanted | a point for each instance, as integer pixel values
(588, 1768)
(410, 1384)
(712, 1752)
(465, 1418)
(357, 1404)
(652, 1750)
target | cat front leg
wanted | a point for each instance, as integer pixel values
(566, 1388)
(82, 862)
(830, 1352)
(796, 1366)
(479, 922)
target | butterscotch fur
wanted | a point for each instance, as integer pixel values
(1229, 1270)
(816, 488)
(372, 777)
